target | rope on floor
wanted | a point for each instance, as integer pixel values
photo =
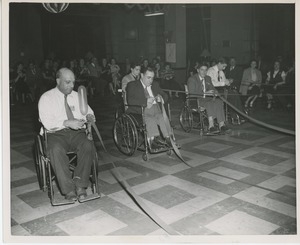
(149, 212)
(263, 124)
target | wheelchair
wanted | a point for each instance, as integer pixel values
(46, 177)
(192, 117)
(130, 134)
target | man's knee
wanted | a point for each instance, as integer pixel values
(87, 146)
(56, 148)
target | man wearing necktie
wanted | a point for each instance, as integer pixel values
(60, 114)
(200, 86)
(142, 93)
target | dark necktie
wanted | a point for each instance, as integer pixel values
(68, 109)
(219, 77)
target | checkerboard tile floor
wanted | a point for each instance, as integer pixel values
(243, 183)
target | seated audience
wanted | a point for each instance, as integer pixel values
(33, 79)
(250, 85)
(275, 79)
(168, 80)
(21, 88)
(115, 75)
(134, 75)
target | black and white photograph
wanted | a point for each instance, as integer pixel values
(128, 121)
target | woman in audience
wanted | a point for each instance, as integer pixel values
(168, 80)
(250, 84)
(275, 79)
(115, 75)
(144, 65)
(22, 90)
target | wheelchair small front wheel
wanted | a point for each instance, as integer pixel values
(186, 119)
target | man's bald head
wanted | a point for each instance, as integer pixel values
(65, 80)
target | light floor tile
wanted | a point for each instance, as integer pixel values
(240, 223)
(238, 158)
(256, 196)
(289, 145)
(125, 173)
(213, 147)
(18, 230)
(278, 181)
(216, 178)
(229, 173)
(91, 224)
(21, 173)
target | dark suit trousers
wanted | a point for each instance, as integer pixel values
(235, 99)
(66, 140)
(214, 107)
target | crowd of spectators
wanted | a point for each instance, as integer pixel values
(275, 83)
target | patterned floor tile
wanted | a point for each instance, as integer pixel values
(167, 196)
(21, 173)
(91, 224)
(258, 197)
(125, 173)
(213, 147)
(188, 199)
(17, 157)
(240, 223)
(265, 158)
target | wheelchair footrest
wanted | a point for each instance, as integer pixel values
(90, 197)
(60, 200)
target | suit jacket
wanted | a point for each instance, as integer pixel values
(235, 74)
(247, 80)
(195, 86)
(136, 98)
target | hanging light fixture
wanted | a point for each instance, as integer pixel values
(157, 10)
(55, 8)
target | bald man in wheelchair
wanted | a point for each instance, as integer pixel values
(60, 115)
(145, 93)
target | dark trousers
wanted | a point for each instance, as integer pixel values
(235, 99)
(213, 106)
(67, 140)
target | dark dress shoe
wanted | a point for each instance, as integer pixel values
(81, 193)
(213, 130)
(224, 129)
(71, 196)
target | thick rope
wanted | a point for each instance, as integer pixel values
(131, 192)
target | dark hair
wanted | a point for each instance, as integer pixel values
(221, 60)
(253, 60)
(148, 69)
(134, 64)
(201, 64)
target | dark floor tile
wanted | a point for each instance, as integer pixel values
(281, 198)
(22, 182)
(167, 196)
(265, 158)
(291, 173)
(35, 199)
(13, 222)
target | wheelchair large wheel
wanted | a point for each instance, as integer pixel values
(125, 135)
(186, 119)
(40, 163)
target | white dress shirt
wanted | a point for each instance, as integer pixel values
(52, 110)
(149, 91)
(214, 73)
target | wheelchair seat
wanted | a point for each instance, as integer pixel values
(46, 176)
